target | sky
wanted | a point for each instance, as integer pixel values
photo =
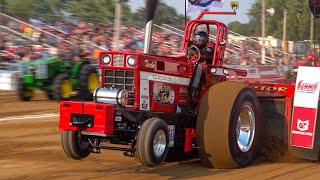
(241, 16)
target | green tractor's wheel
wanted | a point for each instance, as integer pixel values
(62, 87)
(23, 93)
(229, 126)
(74, 145)
(89, 81)
(50, 95)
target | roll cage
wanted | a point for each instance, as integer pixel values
(220, 38)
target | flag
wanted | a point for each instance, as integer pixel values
(201, 5)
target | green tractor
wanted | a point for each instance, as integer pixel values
(60, 79)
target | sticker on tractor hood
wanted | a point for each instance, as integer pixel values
(163, 93)
(164, 78)
(149, 64)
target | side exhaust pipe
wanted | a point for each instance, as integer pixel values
(151, 6)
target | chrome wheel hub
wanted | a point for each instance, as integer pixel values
(245, 128)
(159, 143)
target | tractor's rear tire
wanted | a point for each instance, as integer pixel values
(229, 126)
(62, 87)
(74, 146)
(89, 81)
(153, 142)
(23, 94)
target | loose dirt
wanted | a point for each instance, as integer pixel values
(31, 149)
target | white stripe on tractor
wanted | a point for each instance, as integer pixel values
(164, 78)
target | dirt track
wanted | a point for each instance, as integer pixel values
(31, 150)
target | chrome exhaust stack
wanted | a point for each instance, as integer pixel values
(151, 6)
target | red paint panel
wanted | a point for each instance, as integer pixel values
(66, 108)
(190, 133)
(177, 66)
(103, 117)
(303, 127)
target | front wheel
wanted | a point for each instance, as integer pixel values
(153, 142)
(74, 144)
(23, 93)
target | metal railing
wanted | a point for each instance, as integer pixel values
(6, 18)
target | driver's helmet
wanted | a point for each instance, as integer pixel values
(201, 39)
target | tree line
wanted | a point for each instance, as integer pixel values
(99, 11)
(95, 11)
(298, 20)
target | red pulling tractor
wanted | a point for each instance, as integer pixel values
(161, 106)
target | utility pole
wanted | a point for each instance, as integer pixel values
(263, 33)
(284, 36)
(311, 30)
(1, 8)
(117, 25)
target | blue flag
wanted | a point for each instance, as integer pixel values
(201, 5)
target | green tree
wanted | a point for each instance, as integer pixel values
(243, 29)
(91, 9)
(164, 14)
(34, 8)
(298, 19)
(96, 10)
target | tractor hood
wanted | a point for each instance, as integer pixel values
(47, 60)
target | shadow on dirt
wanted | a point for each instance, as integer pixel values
(177, 170)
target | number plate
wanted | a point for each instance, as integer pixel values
(118, 118)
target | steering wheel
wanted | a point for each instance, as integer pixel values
(192, 53)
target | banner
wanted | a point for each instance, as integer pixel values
(305, 107)
(201, 5)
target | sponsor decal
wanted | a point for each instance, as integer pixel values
(163, 94)
(304, 116)
(164, 78)
(183, 90)
(269, 89)
(148, 64)
(144, 106)
(144, 97)
(160, 77)
(171, 129)
(303, 127)
(182, 100)
(307, 87)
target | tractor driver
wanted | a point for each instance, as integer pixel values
(200, 40)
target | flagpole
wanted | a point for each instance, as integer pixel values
(185, 12)
(314, 32)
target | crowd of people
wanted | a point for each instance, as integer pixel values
(78, 40)
(248, 52)
(74, 41)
